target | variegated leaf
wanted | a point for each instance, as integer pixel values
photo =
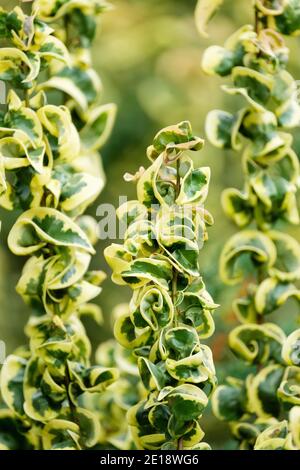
(37, 227)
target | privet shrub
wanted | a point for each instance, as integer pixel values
(266, 259)
(50, 172)
(170, 312)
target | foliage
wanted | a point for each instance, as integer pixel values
(170, 310)
(205, 10)
(112, 405)
(50, 171)
(268, 259)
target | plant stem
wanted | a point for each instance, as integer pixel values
(66, 27)
(174, 291)
(26, 5)
(177, 177)
(260, 317)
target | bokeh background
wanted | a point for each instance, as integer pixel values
(148, 53)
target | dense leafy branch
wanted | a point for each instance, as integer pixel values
(256, 59)
(50, 171)
(170, 312)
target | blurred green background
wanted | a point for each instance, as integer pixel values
(148, 54)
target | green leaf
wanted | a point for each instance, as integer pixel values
(222, 129)
(61, 132)
(90, 379)
(43, 396)
(78, 192)
(144, 270)
(173, 140)
(289, 21)
(61, 434)
(98, 127)
(81, 85)
(152, 375)
(89, 427)
(127, 335)
(194, 184)
(151, 306)
(221, 60)
(196, 309)
(191, 369)
(291, 349)
(181, 341)
(289, 389)
(53, 48)
(287, 264)
(257, 86)
(271, 294)
(11, 437)
(180, 233)
(238, 206)
(244, 309)
(273, 438)
(186, 401)
(263, 391)
(12, 60)
(294, 417)
(255, 344)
